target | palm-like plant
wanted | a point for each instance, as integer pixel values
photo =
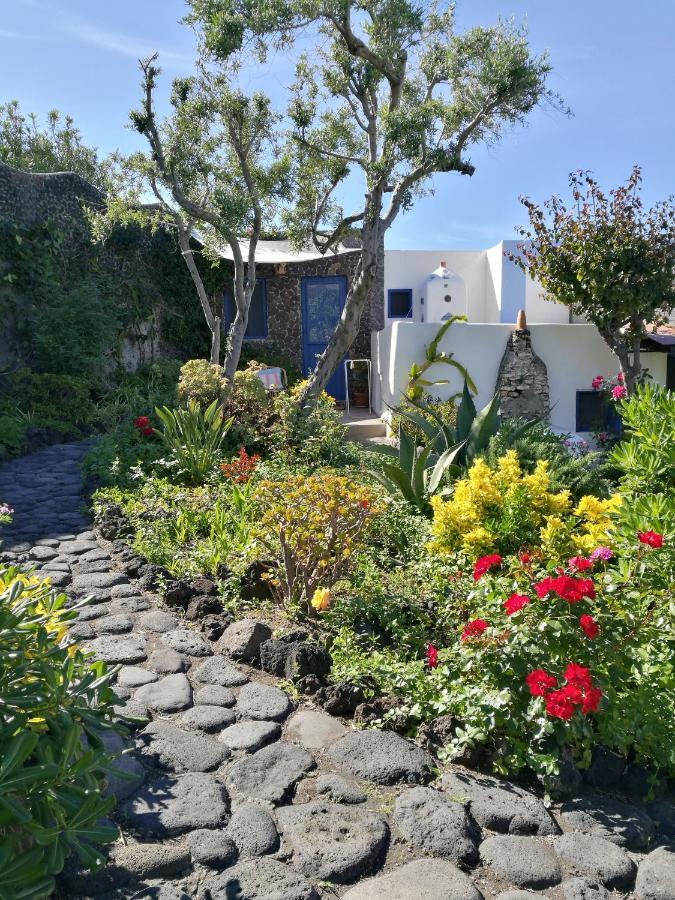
(194, 437)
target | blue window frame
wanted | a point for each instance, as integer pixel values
(399, 303)
(257, 313)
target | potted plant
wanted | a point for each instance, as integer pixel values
(359, 385)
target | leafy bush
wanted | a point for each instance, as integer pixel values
(12, 435)
(446, 410)
(311, 436)
(201, 381)
(251, 409)
(503, 509)
(310, 527)
(194, 437)
(60, 402)
(55, 704)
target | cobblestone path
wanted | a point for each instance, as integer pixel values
(235, 791)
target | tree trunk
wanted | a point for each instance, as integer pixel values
(348, 327)
(212, 321)
(618, 343)
(215, 341)
(236, 339)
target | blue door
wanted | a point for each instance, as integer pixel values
(323, 300)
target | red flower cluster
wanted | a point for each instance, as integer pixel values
(484, 564)
(241, 468)
(589, 626)
(525, 558)
(577, 691)
(432, 656)
(142, 424)
(514, 603)
(473, 629)
(566, 587)
(579, 564)
(651, 538)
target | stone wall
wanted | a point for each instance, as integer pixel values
(28, 197)
(522, 380)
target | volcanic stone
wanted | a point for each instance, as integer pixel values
(253, 830)
(339, 789)
(432, 823)
(207, 718)
(498, 804)
(583, 889)
(129, 604)
(262, 702)
(215, 695)
(250, 736)
(211, 848)
(179, 750)
(523, 861)
(656, 876)
(331, 842)
(220, 671)
(199, 607)
(151, 860)
(382, 757)
(170, 694)
(135, 676)
(167, 661)
(112, 648)
(187, 642)
(621, 823)
(126, 774)
(314, 730)
(257, 879)
(82, 584)
(242, 639)
(271, 773)
(597, 858)
(425, 879)
(203, 585)
(171, 806)
(117, 624)
(159, 621)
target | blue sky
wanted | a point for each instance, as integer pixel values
(612, 59)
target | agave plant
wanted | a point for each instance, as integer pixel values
(194, 437)
(432, 355)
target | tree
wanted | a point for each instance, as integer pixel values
(56, 147)
(606, 259)
(389, 94)
(213, 165)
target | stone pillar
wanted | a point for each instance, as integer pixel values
(522, 380)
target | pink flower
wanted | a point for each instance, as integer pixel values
(432, 656)
(596, 384)
(619, 377)
(603, 553)
(619, 392)
(514, 603)
(589, 626)
(579, 564)
(473, 629)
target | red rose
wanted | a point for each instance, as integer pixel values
(473, 629)
(514, 603)
(651, 538)
(566, 587)
(559, 705)
(577, 675)
(539, 682)
(484, 564)
(592, 697)
(596, 384)
(432, 656)
(525, 558)
(141, 422)
(573, 693)
(589, 626)
(147, 431)
(579, 563)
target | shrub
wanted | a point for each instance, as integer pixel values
(251, 408)
(202, 382)
(311, 526)
(194, 437)
(55, 704)
(445, 409)
(60, 402)
(314, 435)
(503, 509)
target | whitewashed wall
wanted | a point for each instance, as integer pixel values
(573, 355)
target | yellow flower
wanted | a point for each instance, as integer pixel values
(508, 470)
(321, 599)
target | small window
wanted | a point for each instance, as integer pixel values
(595, 413)
(400, 304)
(257, 313)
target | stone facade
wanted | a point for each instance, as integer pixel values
(29, 197)
(522, 380)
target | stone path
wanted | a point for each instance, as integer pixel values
(232, 791)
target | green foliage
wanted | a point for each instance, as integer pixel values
(605, 258)
(312, 436)
(12, 435)
(310, 527)
(417, 383)
(194, 438)
(572, 466)
(56, 147)
(446, 410)
(55, 706)
(201, 381)
(60, 402)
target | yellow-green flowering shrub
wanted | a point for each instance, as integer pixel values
(52, 763)
(501, 508)
(201, 381)
(310, 527)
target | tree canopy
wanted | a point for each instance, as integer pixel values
(606, 258)
(388, 93)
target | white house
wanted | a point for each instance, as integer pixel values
(424, 287)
